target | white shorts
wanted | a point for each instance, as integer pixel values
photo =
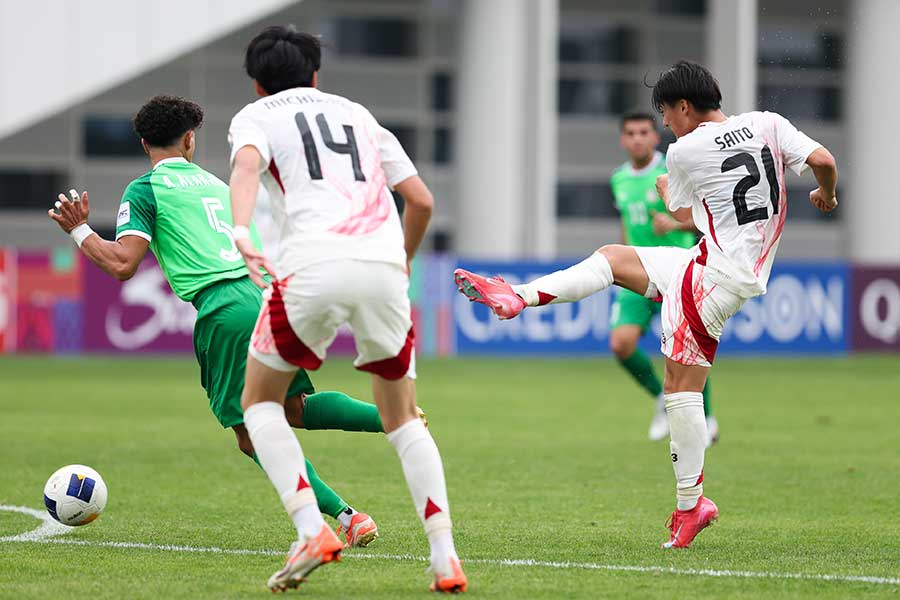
(301, 314)
(694, 309)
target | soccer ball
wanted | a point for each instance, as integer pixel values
(75, 495)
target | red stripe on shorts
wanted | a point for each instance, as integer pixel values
(396, 367)
(288, 344)
(708, 345)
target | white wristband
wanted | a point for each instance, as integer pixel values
(240, 232)
(81, 233)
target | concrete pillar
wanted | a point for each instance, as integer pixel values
(506, 125)
(871, 200)
(731, 51)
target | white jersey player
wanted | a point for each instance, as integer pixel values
(728, 174)
(328, 168)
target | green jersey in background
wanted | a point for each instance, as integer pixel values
(637, 200)
(185, 214)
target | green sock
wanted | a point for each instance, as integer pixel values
(329, 502)
(706, 394)
(641, 368)
(336, 410)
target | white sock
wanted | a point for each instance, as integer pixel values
(569, 285)
(281, 458)
(346, 516)
(424, 473)
(687, 427)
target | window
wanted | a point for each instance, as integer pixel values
(585, 199)
(799, 48)
(681, 7)
(406, 135)
(442, 92)
(30, 189)
(443, 146)
(802, 102)
(377, 37)
(586, 97)
(597, 43)
(110, 137)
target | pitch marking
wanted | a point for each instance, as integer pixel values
(48, 532)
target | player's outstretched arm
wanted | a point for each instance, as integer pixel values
(418, 205)
(244, 184)
(119, 258)
(824, 168)
(683, 219)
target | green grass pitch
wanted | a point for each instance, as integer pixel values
(546, 459)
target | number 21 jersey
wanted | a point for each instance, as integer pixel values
(731, 174)
(327, 166)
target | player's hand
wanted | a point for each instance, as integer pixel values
(822, 201)
(73, 210)
(663, 223)
(255, 261)
(662, 185)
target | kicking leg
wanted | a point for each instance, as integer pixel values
(610, 264)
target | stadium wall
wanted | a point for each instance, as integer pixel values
(55, 301)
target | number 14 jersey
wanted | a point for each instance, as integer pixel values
(327, 166)
(731, 175)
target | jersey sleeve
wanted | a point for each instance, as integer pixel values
(137, 211)
(681, 194)
(394, 160)
(795, 145)
(245, 130)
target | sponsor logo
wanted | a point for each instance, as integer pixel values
(879, 310)
(124, 215)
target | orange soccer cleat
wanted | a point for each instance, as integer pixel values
(362, 531)
(493, 292)
(452, 581)
(305, 557)
(686, 524)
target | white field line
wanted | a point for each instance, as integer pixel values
(49, 530)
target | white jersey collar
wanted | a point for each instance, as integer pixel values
(168, 161)
(654, 162)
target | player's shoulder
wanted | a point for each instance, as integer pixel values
(140, 186)
(620, 172)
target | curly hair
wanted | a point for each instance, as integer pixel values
(164, 119)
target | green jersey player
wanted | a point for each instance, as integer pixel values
(182, 213)
(645, 222)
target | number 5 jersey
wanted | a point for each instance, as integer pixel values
(731, 175)
(185, 214)
(327, 166)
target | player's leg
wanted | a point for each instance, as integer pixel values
(630, 318)
(694, 312)
(337, 410)
(384, 337)
(358, 528)
(268, 378)
(610, 264)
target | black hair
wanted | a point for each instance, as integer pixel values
(638, 115)
(164, 119)
(689, 81)
(280, 58)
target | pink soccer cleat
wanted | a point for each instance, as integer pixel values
(686, 524)
(493, 292)
(450, 579)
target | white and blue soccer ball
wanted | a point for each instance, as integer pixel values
(75, 495)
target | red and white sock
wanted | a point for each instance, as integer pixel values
(424, 473)
(281, 457)
(590, 276)
(687, 428)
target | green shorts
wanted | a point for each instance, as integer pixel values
(632, 309)
(226, 316)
